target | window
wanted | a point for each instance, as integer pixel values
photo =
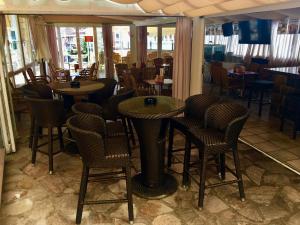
(152, 38)
(14, 41)
(121, 40)
(87, 48)
(69, 47)
(168, 38)
(26, 41)
(100, 45)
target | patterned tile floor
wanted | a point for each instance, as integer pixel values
(32, 197)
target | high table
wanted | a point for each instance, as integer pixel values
(151, 123)
(64, 88)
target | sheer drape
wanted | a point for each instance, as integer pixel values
(108, 50)
(141, 44)
(182, 58)
(284, 49)
(39, 38)
(52, 44)
(3, 28)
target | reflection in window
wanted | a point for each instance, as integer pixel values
(14, 41)
(168, 38)
(86, 36)
(100, 50)
(121, 41)
(152, 38)
(69, 46)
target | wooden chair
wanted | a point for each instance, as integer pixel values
(58, 73)
(31, 78)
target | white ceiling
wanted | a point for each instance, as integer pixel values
(192, 8)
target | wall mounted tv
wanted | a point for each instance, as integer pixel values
(255, 32)
(227, 29)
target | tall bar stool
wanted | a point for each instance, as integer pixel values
(222, 126)
(195, 107)
(97, 151)
(47, 113)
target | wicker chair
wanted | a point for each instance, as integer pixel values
(88, 108)
(158, 64)
(35, 91)
(97, 151)
(31, 78)
(111, 113)
(120, 69)
(102, 96)
(47, 113)
(195, 107)
(222, 126)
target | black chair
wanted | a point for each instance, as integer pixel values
(47, 113)
(35, 90)
(195, 107)
(101, 96)
(97, 151)
(291, 111)
(222, 126)
(112, 116)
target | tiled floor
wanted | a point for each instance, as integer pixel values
(32, 197)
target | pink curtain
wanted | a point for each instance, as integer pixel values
(108, 50)
(182, 58)
(141, 45)
(3, 28)
(52, 44)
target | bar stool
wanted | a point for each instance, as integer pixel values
(97, 151)
(47, 113)
(260, 86)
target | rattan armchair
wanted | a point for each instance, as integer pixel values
(195, 107)
(102, 96)
(97, 151)
(87, 108)
(222, 126)
(47, 113)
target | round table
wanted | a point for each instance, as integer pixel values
(151, 124)
(64, 88)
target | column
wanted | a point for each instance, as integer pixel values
(197, 61)
(133, 43)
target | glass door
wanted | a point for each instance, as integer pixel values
(100, 46)
(69, 47)
(87, 48)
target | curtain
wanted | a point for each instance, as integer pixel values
(39, 38)
(52, 44)
(141, 45)
(3, 28)
(108, 50)
(182, 58)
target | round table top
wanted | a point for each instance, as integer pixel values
(165, 107)
(86, 87)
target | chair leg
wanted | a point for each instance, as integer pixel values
(222, 165)
(31, 131)
(60, 136)
(186, 164)
(203, 156)
(83, 187)
(170, 147)
(127, 135)
(238, 173)
(129, 193)
(295, 130)
(131, 131)
(281, 123)
(34, 143)
(50, 149)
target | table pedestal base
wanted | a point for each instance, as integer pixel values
(168, 187)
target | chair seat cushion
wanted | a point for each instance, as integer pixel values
(116, 147)
(211, 139)
(185, 123)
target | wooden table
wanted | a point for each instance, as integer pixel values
(153, 83)
(151, 124)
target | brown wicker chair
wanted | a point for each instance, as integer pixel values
(111, 113)
(88, 108)
(158, 64)
(195, 107)
(47, 113)
(222, 126)
(97, 151)
(102, 96)
(120, 68)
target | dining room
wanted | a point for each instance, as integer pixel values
(149, 112)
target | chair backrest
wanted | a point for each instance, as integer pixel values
(87, 108)
(196, 105)
(148, 73)
(130, 82)
(30, 74)
(228, 118)
(116, 99)
(88, 132)
(37, 90)
(120, 67)
(47, 112)
(254, 67)
(91, 71)
(106, 92)
(27, 80)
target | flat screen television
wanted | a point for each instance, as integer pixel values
(227, 29)
(255, 32)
